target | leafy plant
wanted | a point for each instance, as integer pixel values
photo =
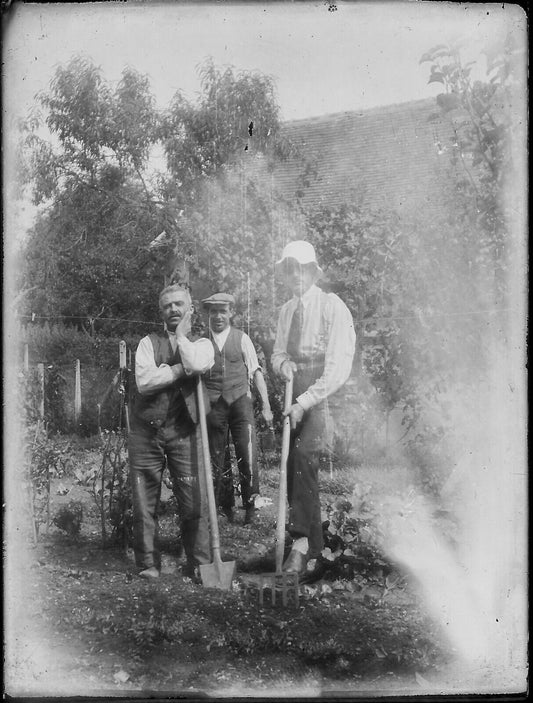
(69, 518)
(484, 131)
(351, 539)
(46, 458)
(110, 490)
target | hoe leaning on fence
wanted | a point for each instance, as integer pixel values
(219, 574)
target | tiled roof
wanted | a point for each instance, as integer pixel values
(394, 155)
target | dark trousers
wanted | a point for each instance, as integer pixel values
(237, 419)
(149, 449)
(309, 441)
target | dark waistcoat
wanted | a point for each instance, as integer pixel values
(229, 376)
(176, 403)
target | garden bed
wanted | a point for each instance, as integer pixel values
(88, 625)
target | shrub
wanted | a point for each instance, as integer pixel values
(60, 345)
(110, 489)
(69, 518)
(46, 458)
(351, 541)
(428, 451)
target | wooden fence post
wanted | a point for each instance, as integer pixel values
(123, 366)
(122, 354)
(77, 392)
(40, 373)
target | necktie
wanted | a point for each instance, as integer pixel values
(295, 331)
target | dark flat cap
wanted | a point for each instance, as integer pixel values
(218, 299)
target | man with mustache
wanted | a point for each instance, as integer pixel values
(165, 431)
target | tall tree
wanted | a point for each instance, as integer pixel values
(106, 214)
(98, 210)
(486, 120)
(236, 115)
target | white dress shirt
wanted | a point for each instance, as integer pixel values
(327, 332)
(196, 357)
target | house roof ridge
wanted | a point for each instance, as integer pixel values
(364, 111)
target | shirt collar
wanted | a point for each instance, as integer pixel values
(309, 294)
(220, 336)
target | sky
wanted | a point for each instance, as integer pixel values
(359, 56)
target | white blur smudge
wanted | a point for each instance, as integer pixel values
(476, 588)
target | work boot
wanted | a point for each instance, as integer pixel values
(251, 515)
(295, 563)
(228, 513)
(150, 573)
(192, 571)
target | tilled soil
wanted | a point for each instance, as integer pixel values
(83, 623)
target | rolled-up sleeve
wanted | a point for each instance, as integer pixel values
(148, 376)
(197, 357)
(249, 355)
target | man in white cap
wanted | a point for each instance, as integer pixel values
(228, 384)
(315, 346)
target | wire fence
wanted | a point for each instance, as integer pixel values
(77, 396)
(84, 396)
(434, 314)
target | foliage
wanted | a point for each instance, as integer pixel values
(60, 344)
(351, 539)
(237, 238)
(89, 243)
(46, 457)
(368, 260)
(30, 397)
(54, 408)
(406, 280)
(106, 482)
(235, 111)
(429, 447)
(69, 518)
(373, 624)
(110, 490)
(482, 114)
(109, 233)
(360, 252)
(113, 228)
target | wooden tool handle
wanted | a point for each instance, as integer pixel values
(211, 502)
(282, 500)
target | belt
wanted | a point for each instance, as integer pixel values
(309, 364)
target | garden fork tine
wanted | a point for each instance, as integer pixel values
(279, 579)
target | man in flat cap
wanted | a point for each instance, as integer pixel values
(164, 431)
(315, 346)
(228, 384)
